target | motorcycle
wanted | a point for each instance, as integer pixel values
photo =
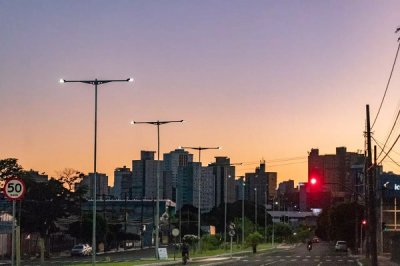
(185, 258)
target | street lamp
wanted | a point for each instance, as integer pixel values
(226, 200)
(95, 82)
(273, 224)
(244, 184)
(255, 210)
(158, 124)
(199, 187)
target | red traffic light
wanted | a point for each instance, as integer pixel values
(313, 181)
(364, 222)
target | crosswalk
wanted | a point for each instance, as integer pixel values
(301, 260)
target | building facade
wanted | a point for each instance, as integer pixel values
(123, 183)
(172, 161)
(102, 188)
(261, 185)
(224, 181)
(334, 175)
(144, 176)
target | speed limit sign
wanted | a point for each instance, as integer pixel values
(14, 189)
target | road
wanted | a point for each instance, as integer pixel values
(321, 254)
(124, 256)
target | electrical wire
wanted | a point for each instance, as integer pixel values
(377, 142)
(387, 86)
(387, 153)
(390, 133)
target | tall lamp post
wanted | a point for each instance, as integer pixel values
(226, 198)
(244, 184)
(273, 224)
(95, 82)
(158, 124)
(199, 187)
(255, 210)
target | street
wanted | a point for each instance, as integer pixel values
(321, 254)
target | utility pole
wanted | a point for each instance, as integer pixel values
(371, 197)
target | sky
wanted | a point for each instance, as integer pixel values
(265, 80)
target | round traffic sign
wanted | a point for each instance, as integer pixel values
(14, 189)
(175, 232)
(232, 233)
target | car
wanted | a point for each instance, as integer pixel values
(315, 240)
(341, 245)
(81, 250)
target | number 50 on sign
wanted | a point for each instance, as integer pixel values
(14, 189)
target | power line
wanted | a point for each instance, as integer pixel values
(390, 133)
(387, 85)
(385, 153)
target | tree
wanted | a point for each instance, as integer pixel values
(9, 168)
(253, 240)
(339, 221)
(70, 177)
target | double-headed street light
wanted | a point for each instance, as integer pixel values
(158, 124)
(95, 82)
(199, 187)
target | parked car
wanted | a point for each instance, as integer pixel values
(81, 250)
(341, 245)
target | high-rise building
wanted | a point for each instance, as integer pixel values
(240, 186)
(334, 173)
(207, 189)
(101, 185)
(224, 180)
(288, 196)
(187, 178)
(144, 176)
(172, 161)
(123, 183)
(261, 183)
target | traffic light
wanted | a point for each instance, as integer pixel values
(364, 222)
(313, 181)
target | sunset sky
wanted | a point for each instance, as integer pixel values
(263, 79)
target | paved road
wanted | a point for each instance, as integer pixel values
(322, 254)
(126, 256)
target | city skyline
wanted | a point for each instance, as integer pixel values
(261, 79)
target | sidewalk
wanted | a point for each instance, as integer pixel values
(383, 260)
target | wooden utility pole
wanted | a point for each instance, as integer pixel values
(371, 197)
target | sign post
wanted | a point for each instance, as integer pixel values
(232, 233)
(175, 233)
(14, 189)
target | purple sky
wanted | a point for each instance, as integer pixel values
(263, 79)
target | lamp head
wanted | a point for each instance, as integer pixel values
(62, 80)
(130, 79)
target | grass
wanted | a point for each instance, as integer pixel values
(206, 253)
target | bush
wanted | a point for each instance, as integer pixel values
(253, 240)
(209, 242)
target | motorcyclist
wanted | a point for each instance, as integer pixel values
(185, 250)
(309, 244)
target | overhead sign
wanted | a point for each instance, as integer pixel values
(14, 189)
